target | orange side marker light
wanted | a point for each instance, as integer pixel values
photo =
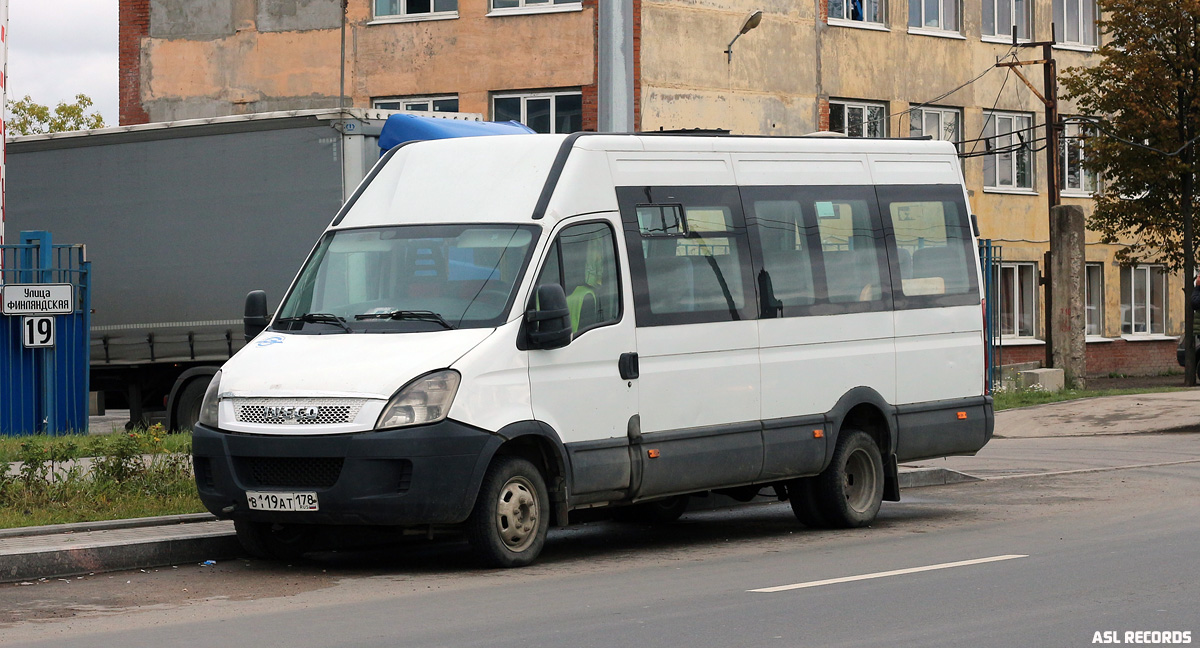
(653, 454)
(962, 416)
(818, 434)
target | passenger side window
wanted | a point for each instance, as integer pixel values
(583, 261)
(786, 278)
(850, 244)
(690, 259)
(933, 246)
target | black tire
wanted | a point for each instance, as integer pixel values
(850, 491)
(507, 527)
(273, 541)
(663, 511)
(804, 503)
(188, 403)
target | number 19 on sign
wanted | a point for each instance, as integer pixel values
(38, 332)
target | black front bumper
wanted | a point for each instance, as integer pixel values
(422, 475)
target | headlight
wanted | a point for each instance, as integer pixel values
(208, 406)
(424, 400)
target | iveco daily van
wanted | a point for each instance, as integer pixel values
(495, 331)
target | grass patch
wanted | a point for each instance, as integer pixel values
(77, 478)
(1025, 397)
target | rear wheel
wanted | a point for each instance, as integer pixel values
(273, 541)
(804, 503)
(850, 491)
(507, 527)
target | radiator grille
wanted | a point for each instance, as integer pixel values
(297, 411)
(290, 472)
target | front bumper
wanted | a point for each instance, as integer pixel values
(413, 476)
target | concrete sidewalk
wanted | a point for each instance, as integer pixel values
(1028, 441)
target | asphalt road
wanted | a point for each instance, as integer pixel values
(1025, 561)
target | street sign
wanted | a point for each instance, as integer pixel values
(37, 332)
(38, 299)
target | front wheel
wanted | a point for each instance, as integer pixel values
(507, 527)
(850, 491)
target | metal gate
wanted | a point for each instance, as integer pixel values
(44, 336)
(990, 257)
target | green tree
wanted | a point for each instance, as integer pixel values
(1145, 98)
(27, 117)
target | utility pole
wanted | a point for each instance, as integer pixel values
(1049, 98)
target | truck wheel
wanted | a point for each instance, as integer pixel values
(804, 503)
(273, 541)
(187, 405)
(663, 511)
(850, 491)
(508, 526)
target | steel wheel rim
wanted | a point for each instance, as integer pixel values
(517, 514)
(861, 479)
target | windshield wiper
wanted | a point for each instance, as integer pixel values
(325, 318)
(415, 315)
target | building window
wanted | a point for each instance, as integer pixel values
(1071, 156)
(1075, 22)
(1093, 298)
(544, 112)
(1143, 300)
(1009, 141)
(933, 14)
(422, 104)
(937, 123)
(531, 4)
(1018, 299)
(415, 8)
(865, 11)
(858, 119)
(1000, 16)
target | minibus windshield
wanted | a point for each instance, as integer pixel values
(408, 278)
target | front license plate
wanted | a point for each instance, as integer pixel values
(281, 501)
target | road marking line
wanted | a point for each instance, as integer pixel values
(898, 572)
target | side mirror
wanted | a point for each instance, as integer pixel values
(256, 317)
(549, 325)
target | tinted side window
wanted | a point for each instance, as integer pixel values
(583, 261)
(822, 250)
(932, 246)
(688, 254)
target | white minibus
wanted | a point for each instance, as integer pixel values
(496, 331)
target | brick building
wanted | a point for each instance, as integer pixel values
(862, 67)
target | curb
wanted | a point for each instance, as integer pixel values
(921, 477)
(218, 544)
(105, 525)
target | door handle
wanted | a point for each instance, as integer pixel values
(628, 365)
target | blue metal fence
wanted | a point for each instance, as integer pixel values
(45, 389)
(990, 257)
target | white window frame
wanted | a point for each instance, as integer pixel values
(1093, 325)
(534, 7)
(1073, 142)
(1017, 310)
(941, 113)
(1143, 274)
(939, 27)
(1017, 125)
(1022, 19)
(845, 18)
(404, 16)
(525, 97)
(426, 99)
(864, 106)
(1087, 35)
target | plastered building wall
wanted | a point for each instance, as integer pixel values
(205, 58)
(201, 58)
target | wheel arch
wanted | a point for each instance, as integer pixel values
(195, 373)
(539, 444)
(863, 408)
